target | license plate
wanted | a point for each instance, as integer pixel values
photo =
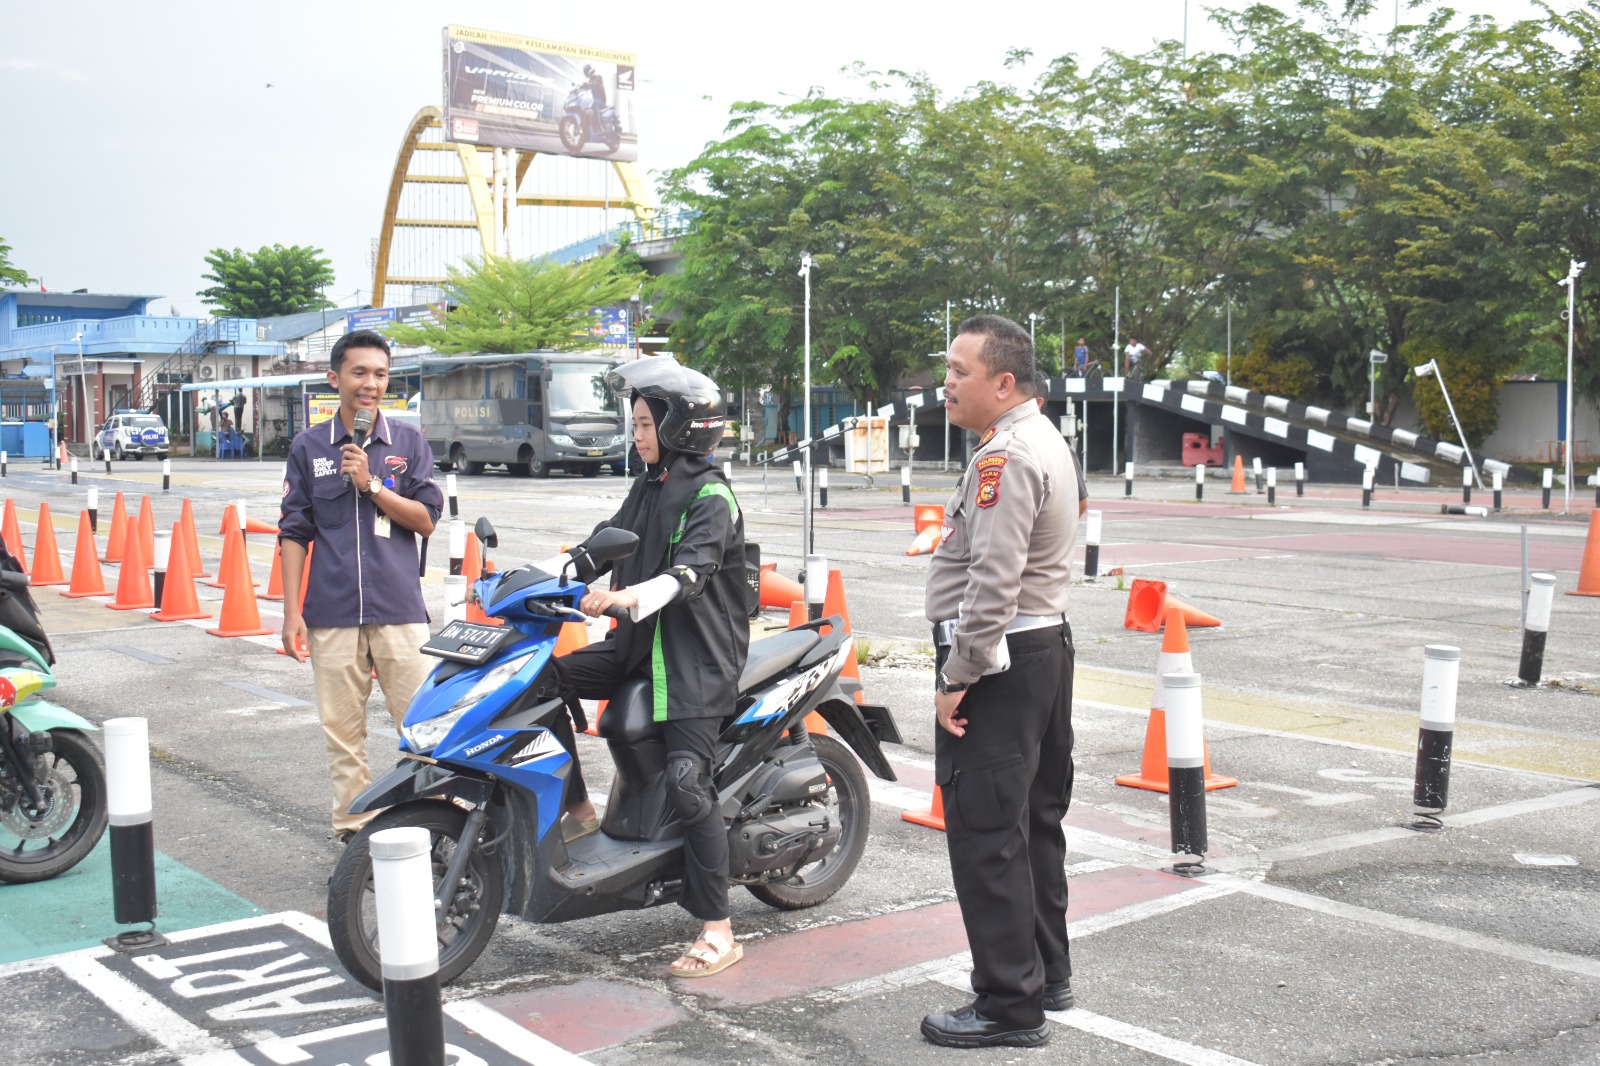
(595, 451)
(469, 642)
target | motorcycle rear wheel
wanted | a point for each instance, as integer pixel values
(847, 800)
(466, 925)
(73, 778)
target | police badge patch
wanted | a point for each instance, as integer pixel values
(989, 470)
(395, 463)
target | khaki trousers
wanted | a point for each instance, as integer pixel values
(343, 659)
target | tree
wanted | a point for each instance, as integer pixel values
(14, 275)
(523, 305)
(270, 281)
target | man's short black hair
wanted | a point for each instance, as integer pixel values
(1007, 348)
(1041, 384)
(361, 338)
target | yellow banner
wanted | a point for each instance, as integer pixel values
(321, 406)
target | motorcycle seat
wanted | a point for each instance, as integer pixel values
(772, 656)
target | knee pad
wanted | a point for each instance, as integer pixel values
(689, 787)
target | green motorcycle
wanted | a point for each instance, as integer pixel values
(52, 778)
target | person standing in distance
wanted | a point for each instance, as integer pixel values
(363, 505)
(997, 598)
(1080, 357)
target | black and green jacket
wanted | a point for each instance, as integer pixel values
(689, 525)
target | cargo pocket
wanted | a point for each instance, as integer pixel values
(988, 796)
(333, 502)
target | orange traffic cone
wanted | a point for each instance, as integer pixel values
(1589, 571)
(1237, 489)
(46, 558)
(186, 516)
(147, 530)
(178, 600)
(305, 583)
(232, 544)
(230, 519)
(777, 590)
(571, 637)
(1147, 606)
(275, 579)
(933, 817)
(133, 583)
(86, 577)
(929, 523)
(119, 531)
(255, 525)
(1174, 659)
(240, 615)
(12, 533)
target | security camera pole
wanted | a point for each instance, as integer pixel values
(1574, 268)
(1431, 369)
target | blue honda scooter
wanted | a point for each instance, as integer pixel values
(482, 771)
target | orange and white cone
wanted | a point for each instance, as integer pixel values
(1174, 659)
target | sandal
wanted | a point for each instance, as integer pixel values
(572, 829)
(718, 954)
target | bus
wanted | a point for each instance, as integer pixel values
(533, 413)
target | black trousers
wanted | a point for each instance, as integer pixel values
(594, 673)
(1007, 784)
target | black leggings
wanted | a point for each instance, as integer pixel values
(594, 673)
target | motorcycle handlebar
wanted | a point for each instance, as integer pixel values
(615, 612)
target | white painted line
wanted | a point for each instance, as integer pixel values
(1320, 441)
(1076, 385)
(1367, 456)
(17, 969)
(1544, 860)
(1236, 394)
(1556, 960)
(1113, 384)
(1277, 427)
(1192, 403)
(1236, 415)
(1155, 392)
(1448, 452)
(1150, 908)
(1404, 436)
(143, 1011)
(1554, 801)
(1143, 1039)
(1317, 414)
(1359, 425)
(1276, 403)
(511, 1037)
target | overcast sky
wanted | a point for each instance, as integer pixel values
(142, 135)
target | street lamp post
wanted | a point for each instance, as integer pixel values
(806, 532)
(1374, 358)
(1033, 319)
(1574, 268)
(1431, 369)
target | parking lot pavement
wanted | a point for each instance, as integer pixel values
(1324, 931)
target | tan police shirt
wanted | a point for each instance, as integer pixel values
(1006, 547)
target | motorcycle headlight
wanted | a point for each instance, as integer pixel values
(560, 438)
(424, 736)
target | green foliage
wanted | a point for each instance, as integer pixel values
(9, 274)
(513, 305)
(267, 282)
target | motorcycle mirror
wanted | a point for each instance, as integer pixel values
(612, 544)
(483, 529)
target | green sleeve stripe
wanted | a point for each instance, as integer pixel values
(717, 488)
(658, 678)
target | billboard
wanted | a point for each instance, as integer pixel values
(610, 327)
(543, 96)
(321, 406)
(377, 317)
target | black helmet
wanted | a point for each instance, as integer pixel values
(694, 422)
(588, 70)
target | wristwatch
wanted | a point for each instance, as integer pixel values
(948, 686)
(374, 486)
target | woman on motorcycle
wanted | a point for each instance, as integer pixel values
(691, 558)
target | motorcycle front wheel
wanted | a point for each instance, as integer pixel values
(39, 843)
(849, 802)
(464, 927)
(572, 133)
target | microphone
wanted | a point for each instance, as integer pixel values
(363, 424)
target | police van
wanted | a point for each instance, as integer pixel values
(130, 433)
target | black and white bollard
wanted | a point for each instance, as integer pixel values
(458, 546)
(1466, 485)
(1091, 545)
(727, 472)
(132, 832)
(107, 457)
(1127, 481)
(163, 556)
(1199, 481)
(93, 503)
(72, 468)
(1499, 488)
(1186, 771)
(1366, 487)
(1255, 467)
(1272, 486)
(1541, 595)
(799, 479)
(5, 461)
(815, 585)
(402, 881)
(450, 495)
(905, 484)
(1441, 669)
(1549, 482)
(166, 475)
(1299, 479)
(822, 486)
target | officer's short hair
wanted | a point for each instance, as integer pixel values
(1007, 349)
(1040, 385)
(361, 338)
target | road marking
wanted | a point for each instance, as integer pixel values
(1557, 960)
(141, 1010)
(268, 694)
(498, 1029)
(142, 656)
(1554, 801)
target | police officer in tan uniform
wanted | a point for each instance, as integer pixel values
(997, 596)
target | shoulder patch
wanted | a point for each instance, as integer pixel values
(988, 435)
(990, 467)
